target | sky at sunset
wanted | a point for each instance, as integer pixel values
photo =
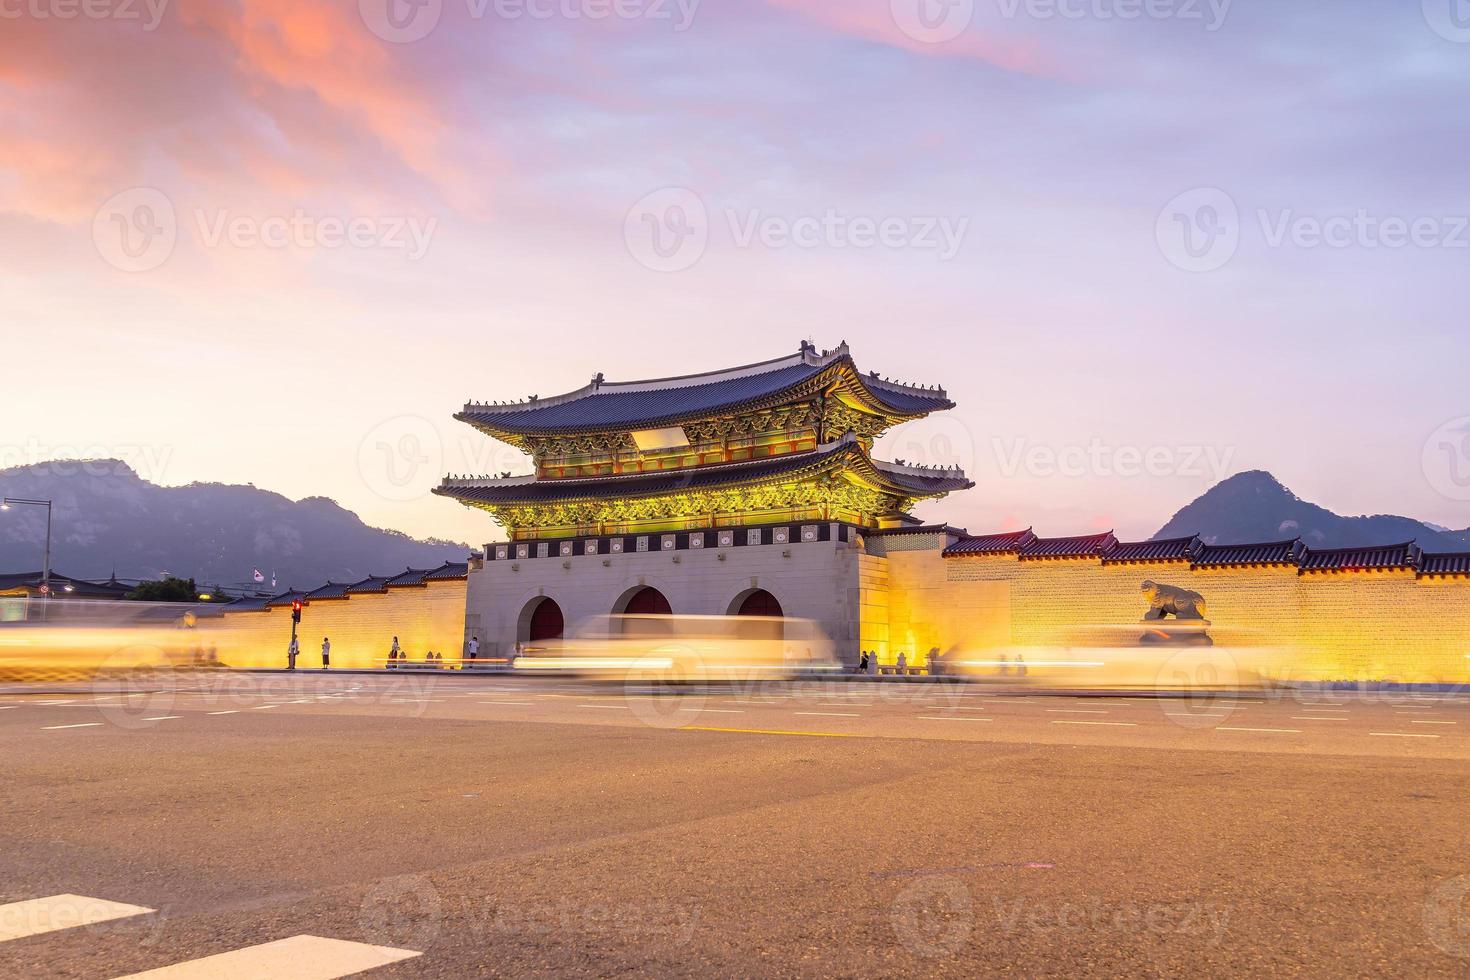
(1143, 245)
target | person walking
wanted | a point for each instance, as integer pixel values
(326, 653)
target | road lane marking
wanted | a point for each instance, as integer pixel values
(231, 712)
(607, 707)
(718, 711)
(829, 714)
(300, 958)
(85, 724)
(1077, 711)
(39, 915)
(1116, 724)
(163, 718)
(1404, 734)
(531, 704)
(1272, 731)
(1310, 718)
(770, 731)
(1434, 722)
(948, 718)
(262, 707)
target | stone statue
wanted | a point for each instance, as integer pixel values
(1170, 600)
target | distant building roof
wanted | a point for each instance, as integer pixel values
(1444, 563)
(64, 585)
(1267, 553)
(1168, 549)
(604, 405)
(1084, 546)
(1006, 543)
(1360, 559)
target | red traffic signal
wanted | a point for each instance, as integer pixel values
(296, 611)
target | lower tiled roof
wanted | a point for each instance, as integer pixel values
(1268, 553)
(1083, 546)
(1350, 559)
(1168, 549)
(1445, 563)
(1005, 543)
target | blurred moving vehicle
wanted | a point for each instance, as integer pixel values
(63, 640)
(1171, 658)
(678, 649)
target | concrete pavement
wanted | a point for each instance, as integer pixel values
(500, 826)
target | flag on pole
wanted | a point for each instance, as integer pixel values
(273, 578)
(259, 576)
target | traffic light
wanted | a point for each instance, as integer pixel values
(296, 611)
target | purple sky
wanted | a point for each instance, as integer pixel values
(1141, 252)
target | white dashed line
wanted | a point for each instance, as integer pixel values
(231, 712)
(1310, 718)
(523, 703)
(607, 707)
(262, 707)
(40, 915)
(1076, 711)
(1434, 722)
(300, 957)
(85, 724)
(1271, 731)
(1115, 724)
(1404, 734)
(947, 718)
(163, 718)
(829, 714)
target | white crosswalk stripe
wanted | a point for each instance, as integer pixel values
(41, 915)
(297, 958)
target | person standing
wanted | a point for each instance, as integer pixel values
(474, 647)
(292, 652)
(863, 663)
(326, 653)
(393, 654)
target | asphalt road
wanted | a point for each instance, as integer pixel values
(503, 826)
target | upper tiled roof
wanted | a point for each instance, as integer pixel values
(1445, 563)
(285, 598)
(1352, 559)
(1268, 553)
(373, 583)
(249, 604)
(410, 576)
(653, 404)
(1168, 549)
(909, 479)
(1084, 546)
(1007, 543)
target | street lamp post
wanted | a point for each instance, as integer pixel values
(6, 504)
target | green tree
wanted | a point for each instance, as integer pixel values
(166, 590)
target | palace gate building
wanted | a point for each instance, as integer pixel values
(754, 490)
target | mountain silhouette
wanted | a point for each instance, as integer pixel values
(1254, 506)
(107, 518)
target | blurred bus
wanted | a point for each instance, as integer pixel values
(79, 640)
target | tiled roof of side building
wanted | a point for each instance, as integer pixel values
(409, 576)
(1262, 553)
(285, 598)
(332, 590)
(1168, 549)
(651, 404)
(919, 481)
(1083, 546)
(1444, 563)
(249, 604)
(373, 583)
(448, 572)
(1352, 559)
(1005, 543)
